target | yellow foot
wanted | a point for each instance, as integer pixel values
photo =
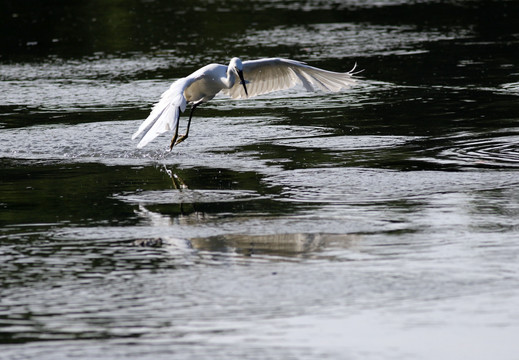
(180, 139)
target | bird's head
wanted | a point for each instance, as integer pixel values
(237, 66)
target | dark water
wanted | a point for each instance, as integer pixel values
(377, 223)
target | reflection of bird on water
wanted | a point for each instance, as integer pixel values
(256, 77)
(178, 183)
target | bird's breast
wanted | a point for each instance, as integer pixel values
(203, 89)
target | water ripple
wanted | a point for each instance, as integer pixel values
(187, 196)
(497, 150)
(512, 88)
(328, 40)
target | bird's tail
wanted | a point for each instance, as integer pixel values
(165, 114)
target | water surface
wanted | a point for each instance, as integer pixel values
(380, 222)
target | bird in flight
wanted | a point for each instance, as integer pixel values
(255, 77)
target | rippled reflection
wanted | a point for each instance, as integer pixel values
(278, 244)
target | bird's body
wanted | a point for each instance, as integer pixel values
(262, 76)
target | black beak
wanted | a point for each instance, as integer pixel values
(242, 81)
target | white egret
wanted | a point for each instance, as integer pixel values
(256, 77)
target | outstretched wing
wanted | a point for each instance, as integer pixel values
(267, 75)
(165, 113)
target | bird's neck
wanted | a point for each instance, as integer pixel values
(231, 79)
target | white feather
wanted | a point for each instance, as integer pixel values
(268, 75)
(260, 77)
(165, 114)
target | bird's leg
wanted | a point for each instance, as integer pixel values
(184, 137)
(176, 132)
